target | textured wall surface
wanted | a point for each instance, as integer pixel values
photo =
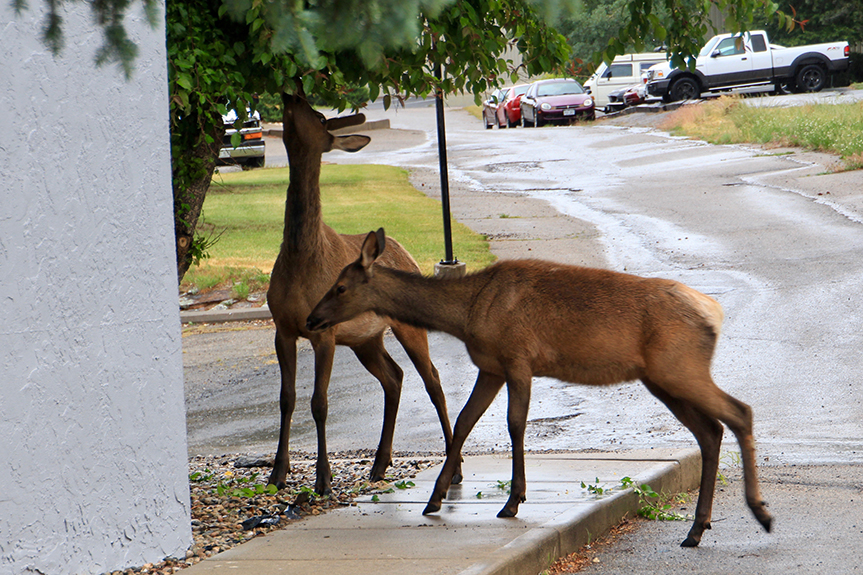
(93, 462)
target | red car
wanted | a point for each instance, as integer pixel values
(509, 113)
(560, 100)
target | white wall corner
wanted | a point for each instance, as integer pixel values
(93, 458)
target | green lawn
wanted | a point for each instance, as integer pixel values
(246, 211)
(830, 128)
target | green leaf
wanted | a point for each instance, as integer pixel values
(185, 81)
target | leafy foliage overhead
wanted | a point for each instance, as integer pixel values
(819, 21)
(373, 32)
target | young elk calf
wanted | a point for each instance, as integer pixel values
(525, 318)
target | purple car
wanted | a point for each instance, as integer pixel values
(561, 100)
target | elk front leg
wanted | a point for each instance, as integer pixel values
(286, 352)
(486, 388)
(324, 348)
(374, 357)
(415, 342)
(518, 390)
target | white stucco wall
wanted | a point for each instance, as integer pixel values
(93, 464)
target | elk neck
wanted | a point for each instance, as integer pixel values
(429, 303)
(303, 220)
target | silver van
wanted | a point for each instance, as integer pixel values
(623, 72)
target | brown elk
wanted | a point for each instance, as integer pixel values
(525, 318)
(309, 261)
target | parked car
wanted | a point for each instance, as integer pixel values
(561, 100)
(510, 112)
(624, 71)
(490, 108)
(250, 151)
(749, 60)
(625, 97)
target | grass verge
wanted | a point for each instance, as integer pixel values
(837, 129)
(246, 210)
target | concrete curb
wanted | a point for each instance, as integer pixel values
(571, 530)
(220, 316)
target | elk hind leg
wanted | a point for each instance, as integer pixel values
(374, 357)
(484, 391)
(415, 343)
(738, 417)
(704, 396)
(708, 433)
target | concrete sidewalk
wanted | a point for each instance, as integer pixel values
(392, 536)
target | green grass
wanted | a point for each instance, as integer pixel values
(246, 211)
(836, 129)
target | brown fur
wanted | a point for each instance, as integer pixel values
(311, 256)
(526, 318)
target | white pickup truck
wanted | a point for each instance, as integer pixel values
(748, 59)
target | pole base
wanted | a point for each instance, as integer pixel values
(450, 270)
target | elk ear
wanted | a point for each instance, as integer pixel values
(350, 143)
(373, 246)
(334, 124)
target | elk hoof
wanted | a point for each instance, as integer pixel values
(431, 508)
(690, 542)
(279, 483)
(457, 477)
(506, 512)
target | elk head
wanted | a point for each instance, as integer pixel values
(307, 131)
(346, 299)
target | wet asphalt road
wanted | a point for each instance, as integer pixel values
(775, 237)
(772, 237)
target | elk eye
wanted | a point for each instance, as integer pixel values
(323, 120)
(341, 289)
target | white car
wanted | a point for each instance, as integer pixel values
(250, 151)
(624, 71)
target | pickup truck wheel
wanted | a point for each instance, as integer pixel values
(811, 78)
(684, 89)
(783, 88)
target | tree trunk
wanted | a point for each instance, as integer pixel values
(198, 163)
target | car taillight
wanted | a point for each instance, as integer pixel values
(847, 50)
(253, 136)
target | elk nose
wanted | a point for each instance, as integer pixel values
(315, 324)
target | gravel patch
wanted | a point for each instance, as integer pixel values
(230, 502)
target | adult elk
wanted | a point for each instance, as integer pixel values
(309, 261)
(525, 318)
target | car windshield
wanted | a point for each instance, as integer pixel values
(708, 48)
(559, 89)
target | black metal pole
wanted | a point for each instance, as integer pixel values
(444, 178)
